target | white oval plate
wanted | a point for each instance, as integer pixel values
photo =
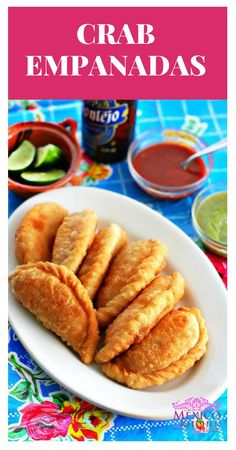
(204, 290)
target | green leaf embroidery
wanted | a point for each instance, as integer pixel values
(16, 433)
(49, 382)
(59, 398)
(21, 391)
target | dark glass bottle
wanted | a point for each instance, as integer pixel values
(108, 128)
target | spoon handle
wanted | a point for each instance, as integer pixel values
(212, 148)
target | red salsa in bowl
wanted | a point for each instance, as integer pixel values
(154, 161)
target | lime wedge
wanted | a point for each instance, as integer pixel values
(22, 157)
(43, 177)
(48, 154)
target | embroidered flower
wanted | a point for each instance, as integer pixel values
(99, 172)
(76, 180)
(44, 421)
(88, 422)
(90, 171)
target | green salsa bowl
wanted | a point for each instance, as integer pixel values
(209, 217)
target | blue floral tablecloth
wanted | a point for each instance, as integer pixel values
(40, 409)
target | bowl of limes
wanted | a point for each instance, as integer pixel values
(42, 156)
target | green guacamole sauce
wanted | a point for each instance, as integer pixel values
(211, 217)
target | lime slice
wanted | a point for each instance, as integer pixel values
(48, 154)
(22, 157)
(43, 177)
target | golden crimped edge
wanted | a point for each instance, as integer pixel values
(71, 281)
(175, 369)
(91, 274)
(135, 327)
(144, 274)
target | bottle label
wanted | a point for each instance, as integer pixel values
(113, 115)
(101, 119)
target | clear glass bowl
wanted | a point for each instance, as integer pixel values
(213, 245)
(156, 136)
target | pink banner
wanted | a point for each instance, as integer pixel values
(146, 53)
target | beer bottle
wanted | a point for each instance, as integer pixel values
(108, 128)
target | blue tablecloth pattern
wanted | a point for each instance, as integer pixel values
(40, 409)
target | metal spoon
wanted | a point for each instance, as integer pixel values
(212, 148)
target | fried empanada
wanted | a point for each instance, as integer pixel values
(73, 239)
(106, 244)
(58, 300)
(36, 232)
(131, 271)
(171, 348)
(135, 322)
